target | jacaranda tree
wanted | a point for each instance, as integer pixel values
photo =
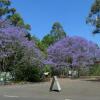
(17, 52)
(74, 52)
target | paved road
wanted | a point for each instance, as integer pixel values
(71, 90)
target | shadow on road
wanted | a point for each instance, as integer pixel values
(93, 80)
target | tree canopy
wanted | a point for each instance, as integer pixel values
(17, 53)
(57, 33)
(10, 13)
(73, 52)
(94, 16)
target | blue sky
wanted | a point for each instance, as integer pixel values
(41, 14)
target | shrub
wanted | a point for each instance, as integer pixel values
(95, 70)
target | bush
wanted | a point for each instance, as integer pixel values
(47, 68)
(60, 72)
(84, 71)
(27, 72)
(95, 70)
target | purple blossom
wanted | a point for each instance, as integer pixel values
(73, 51)
(13, 38)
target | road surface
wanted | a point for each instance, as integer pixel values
(71, 90)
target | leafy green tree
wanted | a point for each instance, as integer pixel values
(55, 35)
(10, 13)
(27, 26)
(94, 16)
(48, 40)
(39, 44)
(4, 8)
(57, 31)
(16, 19)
